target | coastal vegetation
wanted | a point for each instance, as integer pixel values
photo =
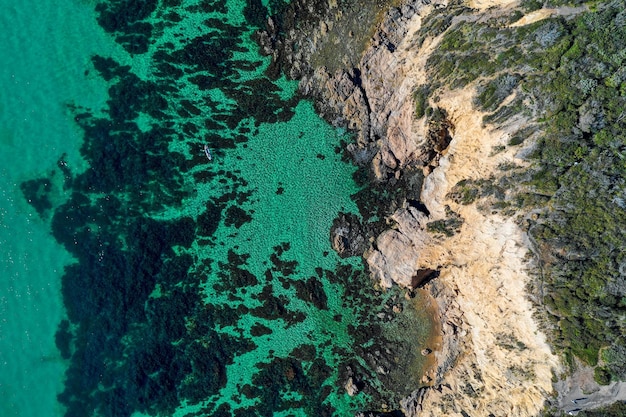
(565, 75)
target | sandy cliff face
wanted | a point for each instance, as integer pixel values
(494, 360)
(503, 365)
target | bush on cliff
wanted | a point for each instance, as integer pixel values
(567, 74)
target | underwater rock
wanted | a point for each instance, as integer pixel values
(351, 388)
(395, 413)
(346, 236)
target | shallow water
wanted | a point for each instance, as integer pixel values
(172, 284)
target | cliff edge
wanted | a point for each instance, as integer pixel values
(494, 360)
(415, 128)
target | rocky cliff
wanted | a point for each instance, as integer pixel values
(494, 359)
(375, 98)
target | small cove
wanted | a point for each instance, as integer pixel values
(182, 285)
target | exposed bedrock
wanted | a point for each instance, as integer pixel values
(375, 98)
(493, 360)
(393, 257)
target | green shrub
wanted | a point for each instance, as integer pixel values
(449, 226)
(491, 94)
(420, 97)
(602, 376)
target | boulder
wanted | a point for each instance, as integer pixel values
(346, 236)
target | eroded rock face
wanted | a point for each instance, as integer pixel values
(376, 98)
(340, 98)
(477, 370)
(393, 258)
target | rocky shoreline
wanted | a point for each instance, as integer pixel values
(493, 359)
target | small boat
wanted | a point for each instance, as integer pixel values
(207, 152)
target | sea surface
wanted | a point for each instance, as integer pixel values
(137, 276)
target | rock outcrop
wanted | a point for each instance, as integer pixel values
(346, 236)
(493, 359)
(393, 258)
(376, 99)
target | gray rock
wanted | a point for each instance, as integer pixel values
(346, 236)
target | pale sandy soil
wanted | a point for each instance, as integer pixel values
(487, 4)
(541, 14)
(533, 17)
(508, 364)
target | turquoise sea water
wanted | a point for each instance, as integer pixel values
(45, 49)
(140, 278)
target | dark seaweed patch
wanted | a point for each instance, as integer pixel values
(237, 217)
(255, 13)
(304, 353)
(312, 290)
(108, 68)
(288, 375)
(63, 339)
(260, 330)
(284, 267)
(209, 220)
(37, 193)
(125, 20)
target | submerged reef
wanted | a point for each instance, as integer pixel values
(183, 298)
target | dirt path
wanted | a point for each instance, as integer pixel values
(579, 391)
(541, 14)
